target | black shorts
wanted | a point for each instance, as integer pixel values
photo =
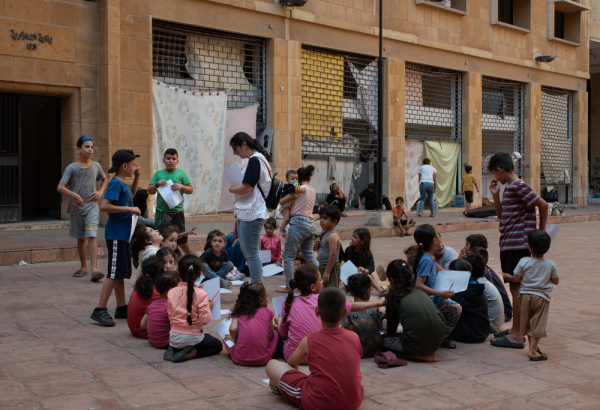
(119, 259)
(177, 219)
(510, 259)
(469, 196)
(403, 222)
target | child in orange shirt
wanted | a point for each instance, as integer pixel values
(403, 225)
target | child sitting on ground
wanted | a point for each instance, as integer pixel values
(366, 324)
(169, 259)
(536, 276)
(290, 187)
(359, 253)
(216, 261)
(156, 320)
(495, 306)
(334, 363)
(270, 241)
(189, 311)
(142, 296)
(474, 323)
(252, 328)
(171, 235)
(145, 243)
(399, 211)
(328, 247)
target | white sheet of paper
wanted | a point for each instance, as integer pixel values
(552, 230)
(459, 280)
(223, 330)
(225, 312)
(223, 290)
(266, 380)
(235, 177)
(211, 287)
(348, 269)
(172, 198)
(237, 282)
(134, 219)
(265, 256)
(271, 270)
(278, 304)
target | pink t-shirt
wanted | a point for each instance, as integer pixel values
(158, 323)
(305, 202)
(253, 347)
(301, 321)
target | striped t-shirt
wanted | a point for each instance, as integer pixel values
(518, 216)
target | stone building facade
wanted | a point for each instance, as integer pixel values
(90, 66)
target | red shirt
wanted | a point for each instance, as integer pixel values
(335, 381)
(136, 309)
(273, 244)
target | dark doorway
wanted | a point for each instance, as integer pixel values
(32, 125)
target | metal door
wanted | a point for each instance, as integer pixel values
(10, 130)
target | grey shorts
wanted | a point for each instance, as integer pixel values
(85, 224)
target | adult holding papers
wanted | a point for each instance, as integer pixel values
(250, 207)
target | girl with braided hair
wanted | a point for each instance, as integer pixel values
(189, 310)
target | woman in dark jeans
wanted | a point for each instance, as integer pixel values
(427, 180)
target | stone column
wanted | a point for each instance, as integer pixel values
(471, 129)
(594, 133)
(533, 141)
(580, 148)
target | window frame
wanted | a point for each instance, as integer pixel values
(526, 21)
(450, 9)
(571, 20)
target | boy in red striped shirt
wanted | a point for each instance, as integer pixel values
(516, 213)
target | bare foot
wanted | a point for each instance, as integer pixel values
(431, 358)
(283, 290)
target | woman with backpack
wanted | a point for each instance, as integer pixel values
(250, 206)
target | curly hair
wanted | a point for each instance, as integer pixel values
(365, 251)
(141, 238)
(190, 269)
(398, 271)
(304, 277)
(165, 282)
(424, 236)
(144, 284)
(359, 285)
(249, 300)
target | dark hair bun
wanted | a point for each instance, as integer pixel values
(292, 284)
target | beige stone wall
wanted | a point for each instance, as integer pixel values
(594, 133)
(580, 148)
(393, 130)
(471, 136)
(533, 128)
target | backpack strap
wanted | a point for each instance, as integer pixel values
(258, 184)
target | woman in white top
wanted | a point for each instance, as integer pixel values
(250, 207)
(426, 186)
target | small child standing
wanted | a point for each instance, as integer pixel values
(536, 276)
(335, 380)
(181, 182)
(142, 296)
(118, 202)
(466, 188)
(216, 261)
(144, 244)
(252, 328)
(189, 311)
(328, 247)
(399, 211)
(156, 319)
(80, 177)
(290, 187)
(270, 241)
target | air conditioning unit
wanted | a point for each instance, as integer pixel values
(293, 3)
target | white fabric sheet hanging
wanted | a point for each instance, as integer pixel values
(366, 92)
(320, 182)
(413, 158)
(195, 126)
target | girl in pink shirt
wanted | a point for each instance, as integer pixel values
(189, 310)
(270, 241)
(252, 328)
(156, 320)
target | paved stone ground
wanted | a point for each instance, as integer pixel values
(53, 357)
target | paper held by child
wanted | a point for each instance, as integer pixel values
(235, 177)
(278, 304)
(172, 198)
(348, 269)
(214, 293)
(223, 330)
(236, 282)
(265, 256)
(134, 219)
(271, 270)
(458, 280)
(552, 230)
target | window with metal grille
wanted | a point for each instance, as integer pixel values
(502, 122)
(339, 105)
(557, 137)
(433, 103)
(203, 60)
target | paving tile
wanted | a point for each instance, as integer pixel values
(514, 382)
(19, 405)
(129, 375)
(468, 392)
(11, 391)
(196, 404)
(375, 383)
(577, 346)
(219, 385)
(555, 373)
(45, 367)
(62, 384)
(512, 404)
(99, 400)
(103, 360)
(258, 399)
(591, 388)
(466, 366)
(564, 398)
(155, 393)
(416, 399)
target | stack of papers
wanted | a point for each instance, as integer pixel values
(348, 269)
(172, 198)
(235, 177)
(271, 270)
(458, 280)
(223, 330)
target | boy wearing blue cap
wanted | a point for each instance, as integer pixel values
(79, 183)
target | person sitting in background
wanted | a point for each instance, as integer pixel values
(399, 211)
(337, 197)
(141, 200)
(371, 199)
(495, 305)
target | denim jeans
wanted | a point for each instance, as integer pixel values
(426, 188)
(225, 269)
(300, 236)
(249, 234)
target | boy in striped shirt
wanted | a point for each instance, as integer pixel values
(516, 213)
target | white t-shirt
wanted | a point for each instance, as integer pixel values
(426, 172)
(495, 305)
(253, 206)
(537, 274)
(447, 258)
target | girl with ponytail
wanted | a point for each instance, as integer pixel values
(189, 311)
(425, 272)
(250, 206)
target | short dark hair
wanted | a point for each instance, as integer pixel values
(477, 264)
(290, 172)
(501, 160)
(82, 139)
(399, 198)
(323, 203)
(460, 265)
(371, 185)
(426, 161)
(539, 241)
(477, 240)
(481, 251)
(332, 305)
(468, 169)
(171, 151)
(332, 212)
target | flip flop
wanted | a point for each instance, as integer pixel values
(227, 285)
(182, 354)
(541, 358)
(96, 276)
(80, 273)
(169, 353)
(447, 344)
(504, 342)
(505, 333)
(387, 359)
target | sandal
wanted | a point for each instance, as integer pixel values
(225, 284)
(182, 354)
(169, 353)
(505, 333)
(80, 273)
(387, 359)
(96, 276)
(541, 358)
(504, 342)
(274, 389)
(447, 344)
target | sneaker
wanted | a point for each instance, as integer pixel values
(402, 234)
(381, 272)
(239, 276)
(230, 276)
(169, 353)
(274, 389)
(96, 276)
(101, 316)
(121, 312)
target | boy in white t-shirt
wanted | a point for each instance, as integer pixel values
(427, 180)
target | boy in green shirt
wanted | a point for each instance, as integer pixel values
(181, 182)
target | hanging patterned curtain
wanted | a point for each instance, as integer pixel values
(413, 158)
(444, 158)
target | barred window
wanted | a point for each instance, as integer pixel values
(502, 122)
(557, 137)
(212, 61)
(433, 103)
(339, 105)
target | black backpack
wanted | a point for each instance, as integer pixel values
(272, 200)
